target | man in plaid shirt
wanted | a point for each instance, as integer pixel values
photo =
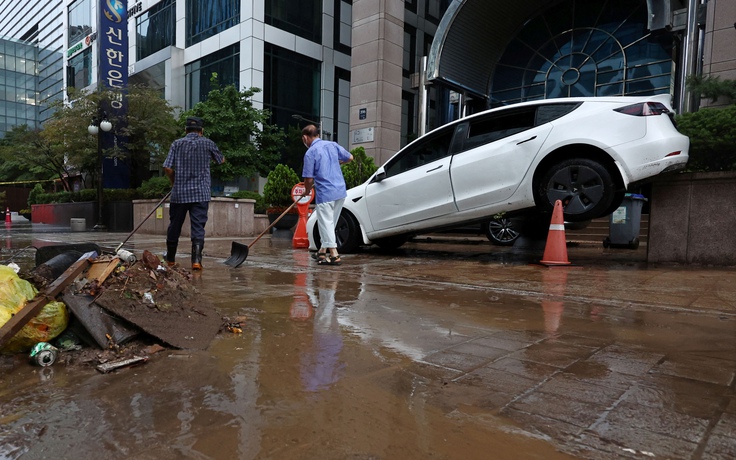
(188, 168)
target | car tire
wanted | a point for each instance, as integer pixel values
(347, 234)
(584, 186)
(501, 232)
(392, 242)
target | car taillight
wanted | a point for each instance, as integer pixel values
(644, 109)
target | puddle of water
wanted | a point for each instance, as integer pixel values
(386, 359)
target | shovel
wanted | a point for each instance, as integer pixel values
(142, 222)
(239, 251)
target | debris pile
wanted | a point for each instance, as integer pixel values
(119, 311)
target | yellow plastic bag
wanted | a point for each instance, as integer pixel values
(14, 294)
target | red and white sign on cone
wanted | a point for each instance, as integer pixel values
(555, 252)
(7, 216)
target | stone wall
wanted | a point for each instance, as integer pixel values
(692, 219)
(226, 217)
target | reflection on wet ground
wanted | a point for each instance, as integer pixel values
(441, 351)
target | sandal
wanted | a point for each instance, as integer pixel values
(318, 256)
(331, 261)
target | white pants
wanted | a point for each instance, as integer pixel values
(327, 215)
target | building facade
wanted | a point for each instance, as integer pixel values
(31, 61)
(357, 67)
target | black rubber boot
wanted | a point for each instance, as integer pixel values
(171, 252)
(197, 247)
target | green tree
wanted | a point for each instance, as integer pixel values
(293, 151)
(251, 144)
(20, 145)
(143, 134)
(149, 129)
(712, 133)
(30, 151)
(360, 169)
(712, 87)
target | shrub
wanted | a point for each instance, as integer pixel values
(33, 196)
(280, 181)
(155, 187)
(360, 169)
(260, 205)
(712, 133)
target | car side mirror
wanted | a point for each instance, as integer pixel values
(381, 175)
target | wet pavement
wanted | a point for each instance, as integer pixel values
(447, 348)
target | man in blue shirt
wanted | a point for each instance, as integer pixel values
(322, 171)
(188, 169)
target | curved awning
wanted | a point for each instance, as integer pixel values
(472, 37)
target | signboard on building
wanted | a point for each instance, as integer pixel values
(361, 136)
(112, 52)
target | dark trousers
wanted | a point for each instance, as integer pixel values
(197, 217)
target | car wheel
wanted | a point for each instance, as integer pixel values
(618, 198)
(584, 186)
(500, 231)
(391, 242)
(346, 233)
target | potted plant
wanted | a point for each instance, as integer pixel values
(277, 193)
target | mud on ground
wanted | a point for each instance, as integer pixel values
(158, 300)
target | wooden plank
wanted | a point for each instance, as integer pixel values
(100, 270)
(96, 269)
(31, 309)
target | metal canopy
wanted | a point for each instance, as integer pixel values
(471, 38)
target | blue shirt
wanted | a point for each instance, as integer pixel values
(322, 163)
(190, 157)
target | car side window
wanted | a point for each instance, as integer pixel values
(422, 152)
(495, 126)
(549, 112)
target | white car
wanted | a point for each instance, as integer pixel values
(585, 152)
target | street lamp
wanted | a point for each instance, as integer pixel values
(315, 123)
(94, 129)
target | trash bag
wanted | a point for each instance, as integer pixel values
(14, 294)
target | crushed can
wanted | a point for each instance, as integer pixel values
(126, 256)
(44, 354)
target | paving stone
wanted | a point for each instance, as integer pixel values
(565, 385)
(557, 407)
(658, 420)
(527, 369)
(647, 444)
(702, 368)
(553, 354)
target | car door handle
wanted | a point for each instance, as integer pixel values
(530, 139)
(435, 169)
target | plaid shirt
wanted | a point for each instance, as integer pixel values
(189, 157)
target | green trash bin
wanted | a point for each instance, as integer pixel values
(625, 223)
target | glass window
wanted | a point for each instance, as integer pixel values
(80, 21)
(206, 19)
(492, 127)
(79, 70)
(424, 151)
(581, 48)
(226, 63)
(291, 85)
(300, 17)
(156, 28)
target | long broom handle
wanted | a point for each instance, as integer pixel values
(276, 220)
(142, 222)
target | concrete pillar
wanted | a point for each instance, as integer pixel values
(376, 77)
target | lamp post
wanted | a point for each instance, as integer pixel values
(100, 123)
(315, 123)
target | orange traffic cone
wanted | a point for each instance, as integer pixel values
(555, 252)
(300, 239)
(7, 216)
